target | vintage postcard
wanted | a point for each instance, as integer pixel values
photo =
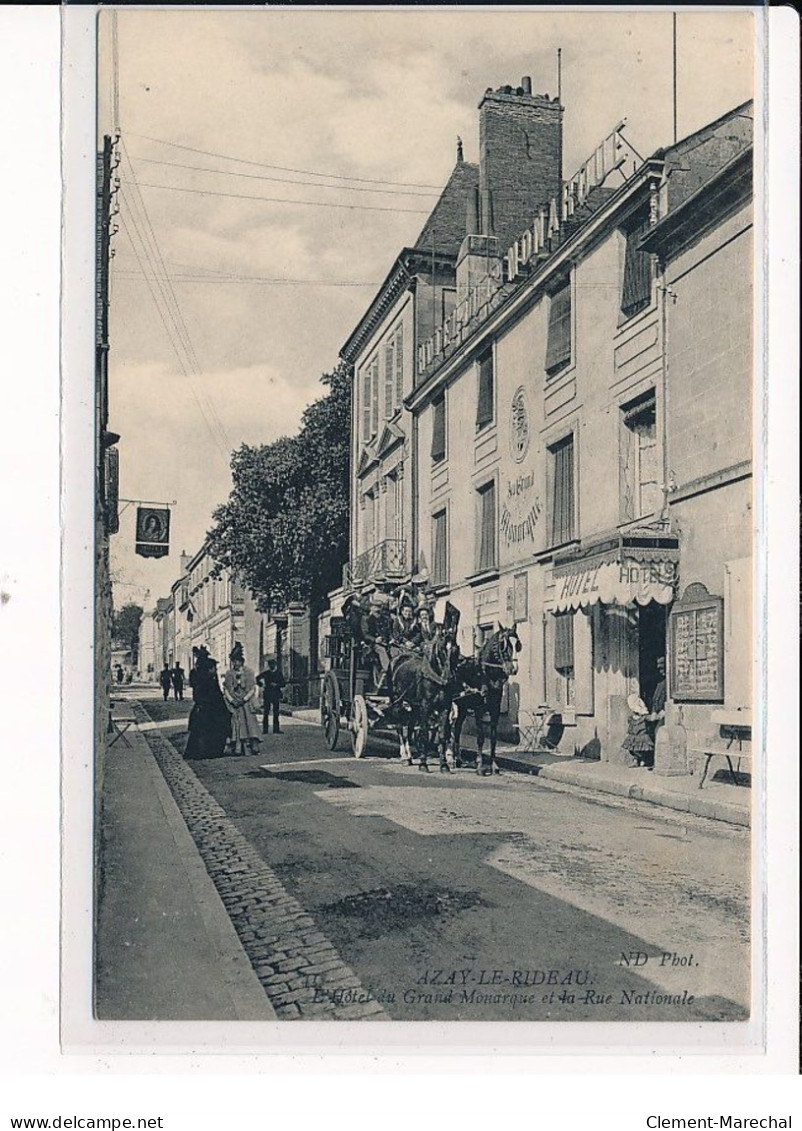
(428, 393)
